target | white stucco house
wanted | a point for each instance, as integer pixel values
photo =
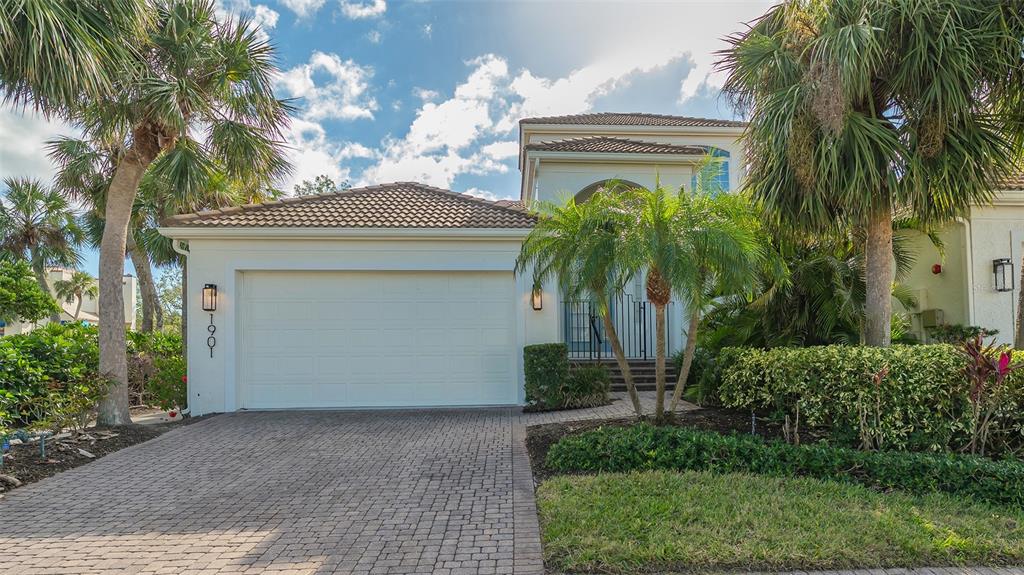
(403, 294)
(89, 312)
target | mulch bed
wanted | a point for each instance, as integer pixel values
(540, 438)
(24, 464)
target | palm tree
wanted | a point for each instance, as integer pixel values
(195, 93)
(80, 284)
(577, 244)
(38, 224)
(859, 108)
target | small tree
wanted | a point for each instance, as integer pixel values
(322, 184)
(75, 289)
(21, 298)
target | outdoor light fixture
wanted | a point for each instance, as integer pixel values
(210, 297)
(538, 299)
(1002, 269)
(210, 305)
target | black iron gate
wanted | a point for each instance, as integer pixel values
(584, 331)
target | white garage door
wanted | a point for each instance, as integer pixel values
(364, 339)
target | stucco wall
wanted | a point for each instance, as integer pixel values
(947, 290)
(212, 380)
(995, 232)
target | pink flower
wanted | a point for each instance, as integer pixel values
(1004, 363)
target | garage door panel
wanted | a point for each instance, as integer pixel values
(374, 339)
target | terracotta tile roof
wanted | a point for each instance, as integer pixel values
(634, 119)
(395, 205)
(1013, 183)
(604, 144)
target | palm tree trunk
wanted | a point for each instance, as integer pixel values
(878, 276)
(620, 358)
(684, 370)
(113, 408)
(659, 363)
(78, 308)
(144, 270)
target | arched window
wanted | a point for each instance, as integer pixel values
(584, 194)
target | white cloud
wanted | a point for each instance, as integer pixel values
(501, 150)
(303, 8)
(261, 15)
(426, 95)
(23, 147)
(373, 36)
(428, 30)
(312, 154)
(357, 10)
(489, 195)
(344, 96)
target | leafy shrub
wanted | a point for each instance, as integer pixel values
(955, 333)
(702, 378)
(646, 447)
(586, 386)
(21, 297)
(921, 403)
(168, 386)
(546, 368)
(148, 354)
(49, 376)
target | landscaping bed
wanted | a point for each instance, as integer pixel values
(24, 463)
(656, 521)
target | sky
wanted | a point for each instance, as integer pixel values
(432, 91)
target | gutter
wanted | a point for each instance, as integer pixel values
(454, 234)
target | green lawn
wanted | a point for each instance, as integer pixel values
(663, 521)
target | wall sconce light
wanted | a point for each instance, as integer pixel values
(936, 269)
(210, 297)
(1002, 269)
(210, 305)
(537, 298)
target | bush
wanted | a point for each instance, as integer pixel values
(168, 386)
(900, 397)
(149, 354)
(546, 368)
(586, 386)
(48, 376)
(701, 382)
(645, 447)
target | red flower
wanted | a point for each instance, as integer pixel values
(1004, 363)
(184, 379)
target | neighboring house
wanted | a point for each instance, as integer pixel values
(404, 295)
(89, 313)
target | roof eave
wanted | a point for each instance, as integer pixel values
(618, 157)
(303, 233)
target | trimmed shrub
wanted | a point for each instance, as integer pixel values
(586, 386)
(900, 397)
(149, 355)
(646, 447)
(546, 368)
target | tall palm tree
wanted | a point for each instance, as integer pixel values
(195, 93)
(859, 108)
(577, 245)
(74, 289)
(38, 224)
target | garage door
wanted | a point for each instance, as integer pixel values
(376, 339)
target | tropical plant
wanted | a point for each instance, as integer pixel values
(987, 368)
(38, 224)
(76, 288)
(21, 298)
(818, 298)
(686, 243)
(194, 95)
(861, 108)
(322, 184)
(577, 245)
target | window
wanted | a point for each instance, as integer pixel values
(720, 176)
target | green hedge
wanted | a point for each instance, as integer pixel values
(921, 403)
(551, 384)
(646, 447)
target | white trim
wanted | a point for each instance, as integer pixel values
(325, 233)
(531, 127)
(617, 157)
(1008, 198)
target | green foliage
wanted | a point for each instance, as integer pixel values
(955, 333)
(168, 386)
(21, 297)
(700, 522)
(546, 367)
(920, 403)
(322, 184)
(586, 386)
(647, 447)
(48, 376)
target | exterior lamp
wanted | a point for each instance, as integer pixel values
(1002, 269)
(537, 298)
(210, 297)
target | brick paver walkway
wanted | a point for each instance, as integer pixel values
(433, 491)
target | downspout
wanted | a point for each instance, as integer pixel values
(176, 245)
(969, 264)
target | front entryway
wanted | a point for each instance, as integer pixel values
(376, 339)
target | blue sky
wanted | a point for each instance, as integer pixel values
(432, 90)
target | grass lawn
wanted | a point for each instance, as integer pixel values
(664, 521)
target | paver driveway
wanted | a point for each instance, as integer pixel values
(433, 491)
